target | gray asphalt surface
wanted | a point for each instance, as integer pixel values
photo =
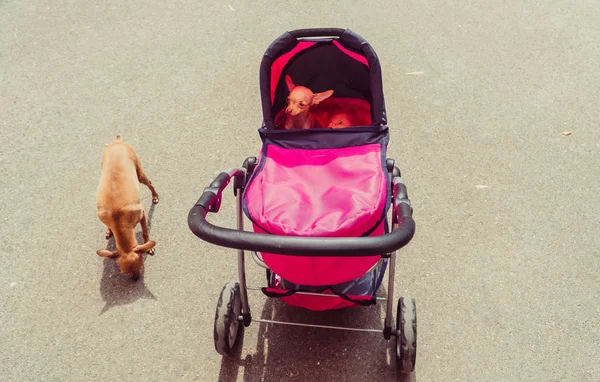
(505, 263)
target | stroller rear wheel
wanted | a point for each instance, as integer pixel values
(228, 327)
(406, 335)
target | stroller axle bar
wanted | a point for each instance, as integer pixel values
(318, 326)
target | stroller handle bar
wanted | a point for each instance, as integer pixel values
(317, 32)
(210, 201)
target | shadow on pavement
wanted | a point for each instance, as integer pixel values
(119, 289)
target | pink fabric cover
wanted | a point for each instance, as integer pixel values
(324, 193)
(320, 271)
(320, 303)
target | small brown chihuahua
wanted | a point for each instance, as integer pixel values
(119, 208)
(300, 100)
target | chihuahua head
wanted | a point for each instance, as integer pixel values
(302, 98)
(131, 263)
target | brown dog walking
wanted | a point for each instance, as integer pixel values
(119, 207)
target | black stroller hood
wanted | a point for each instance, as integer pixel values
(321, 59)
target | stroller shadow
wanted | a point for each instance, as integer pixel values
(119, 289)
(286, 352)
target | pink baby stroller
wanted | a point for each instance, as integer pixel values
(318, 198)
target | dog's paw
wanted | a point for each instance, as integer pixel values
(151, 252)
(108, 234)
(155, 199)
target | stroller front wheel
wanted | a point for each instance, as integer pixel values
(228, 327)
(406, 335)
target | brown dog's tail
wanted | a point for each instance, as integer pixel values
(117, 140)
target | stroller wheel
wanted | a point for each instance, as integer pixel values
(228, 327)
(406, 335)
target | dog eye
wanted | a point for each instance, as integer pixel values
(302, 104)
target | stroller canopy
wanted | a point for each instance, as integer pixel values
(345, 63)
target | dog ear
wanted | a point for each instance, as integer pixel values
(106, 253)
(145, 247)
(319, 97)
(289, 83)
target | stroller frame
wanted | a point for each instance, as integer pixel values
(210, 201)
(233, 309)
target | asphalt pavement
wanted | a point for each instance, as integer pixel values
(495, 129)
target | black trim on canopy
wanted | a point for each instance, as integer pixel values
(324, 138)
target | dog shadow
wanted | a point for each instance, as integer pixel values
(119, 289)
(284, 352)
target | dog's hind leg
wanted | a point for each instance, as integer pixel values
(143, 178)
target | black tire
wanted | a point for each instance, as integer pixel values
(228, 327)
(406, 335)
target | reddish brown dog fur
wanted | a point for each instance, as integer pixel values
(119, 207)
(298, 115)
